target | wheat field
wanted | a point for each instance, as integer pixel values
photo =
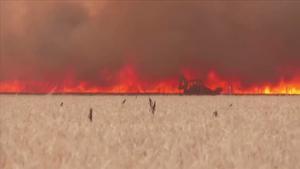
(194, 132)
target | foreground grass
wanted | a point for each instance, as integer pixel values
(184, 132)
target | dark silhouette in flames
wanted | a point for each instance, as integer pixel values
(196, 87)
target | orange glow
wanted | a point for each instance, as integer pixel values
(127, 81)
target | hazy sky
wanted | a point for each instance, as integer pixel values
(255, 41)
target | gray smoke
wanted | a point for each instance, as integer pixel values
(255, 41)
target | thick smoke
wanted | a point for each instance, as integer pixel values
(254, 42)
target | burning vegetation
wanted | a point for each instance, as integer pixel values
(144, 47)
(211, 85)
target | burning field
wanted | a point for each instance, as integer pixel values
(145, 47)
(44, 131)
(127, 82)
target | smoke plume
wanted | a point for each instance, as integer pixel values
(255, 41)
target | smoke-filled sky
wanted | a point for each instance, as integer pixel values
(254, 41)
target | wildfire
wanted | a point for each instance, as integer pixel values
(290, 87)
(128, 82)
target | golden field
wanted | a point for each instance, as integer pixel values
(192, 132)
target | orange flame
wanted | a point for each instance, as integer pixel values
(128, 81)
